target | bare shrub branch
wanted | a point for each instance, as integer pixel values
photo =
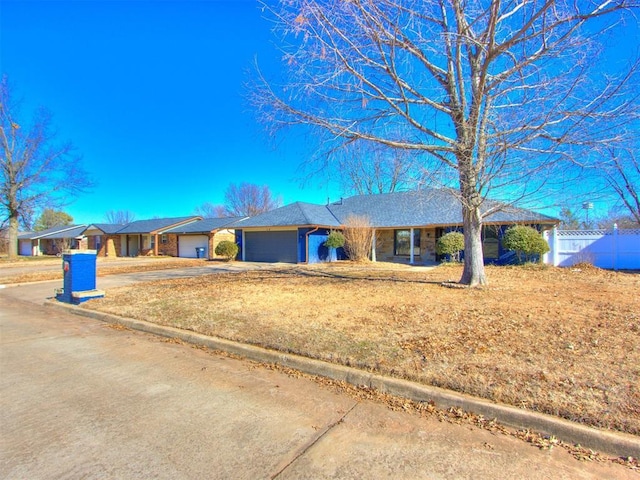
(358, 238)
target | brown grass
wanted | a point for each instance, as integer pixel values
(560, 341)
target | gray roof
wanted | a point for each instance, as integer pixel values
(61, 231)
(206, 225)
(294, 214)
(108, 228)
(390, 210)
(402, 209)
(154, 225)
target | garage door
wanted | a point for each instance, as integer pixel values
(271, 246)
(25, 248)
(187, 245)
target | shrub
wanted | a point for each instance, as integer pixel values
(334, 240)
(358, 238)
(227, 249)
(451, 243)
(525, 241)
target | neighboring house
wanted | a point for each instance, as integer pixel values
(147, 237)
(198, 239)
(142, 237)
(407, 226)
(51, 241)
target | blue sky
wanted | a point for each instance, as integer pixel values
(152, 96)
(151, 93)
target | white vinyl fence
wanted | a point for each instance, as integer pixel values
(615, 248)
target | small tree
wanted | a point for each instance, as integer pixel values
(568, 219)
(52, 218)
(525, 241)
(358, 238)
(452, 244)
(227, 249)
(334, 240)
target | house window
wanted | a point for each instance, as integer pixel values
(490, 242)
(402, 242)
(163, 238)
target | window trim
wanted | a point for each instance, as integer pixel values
(416, 242)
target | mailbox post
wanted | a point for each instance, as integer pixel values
(79, 271)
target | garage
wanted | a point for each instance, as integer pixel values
(279, 246)
(187, 245)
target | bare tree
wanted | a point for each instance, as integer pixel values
(210, 210)
(496, 93)
(119, 217)
(34, 170)
(617, 216)
(622, 174)
(369, 168)
(248, 200)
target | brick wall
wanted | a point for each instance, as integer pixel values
(384, 245)
(428, 244)
(170, 248)
(111, 246)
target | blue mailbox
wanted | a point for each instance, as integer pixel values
(79, 271)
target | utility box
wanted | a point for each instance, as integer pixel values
(79, 272)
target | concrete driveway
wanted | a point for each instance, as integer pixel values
(80, 399)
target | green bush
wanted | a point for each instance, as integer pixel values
(227, 249)
(525, 241)
(451, 243)
(334, 240)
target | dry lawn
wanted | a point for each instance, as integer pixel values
(559, 341)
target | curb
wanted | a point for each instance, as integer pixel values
(612, 443)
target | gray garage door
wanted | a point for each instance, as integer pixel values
(271, 246)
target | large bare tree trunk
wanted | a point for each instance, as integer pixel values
(14, 220)
(13, 237)
(473, 273)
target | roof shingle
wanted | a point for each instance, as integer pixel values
(390, 210)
